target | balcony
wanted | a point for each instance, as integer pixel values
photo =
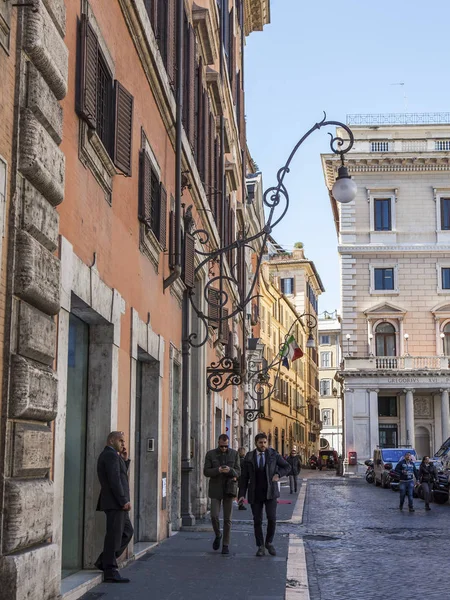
(396, 363)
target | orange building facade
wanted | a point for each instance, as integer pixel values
(132, 154)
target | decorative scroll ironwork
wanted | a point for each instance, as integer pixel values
(276, 199)
(223, 373)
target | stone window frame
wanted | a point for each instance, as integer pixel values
(375, 292)
(443, 235)
(329, 411)
(439, 266)
(91, 151)
(328, 381)
(329, 354)
(325, 335)
(382, 194)
(5, 25)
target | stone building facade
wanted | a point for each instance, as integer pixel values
(290, 288)
(394, 248)
(330, 386)
(102, 268)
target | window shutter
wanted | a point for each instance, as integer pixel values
(189, 260)
(123, 129)
(229, 351)
(162, 216)
(186, 72)
(213, 307)
(224, 327)
(87, 101)
(207, 120)
(243, 136)
(150, 6)
(232, 57)
(191, 78)
(172, 233)
(212, 166)
(145, 188)
(171, 40)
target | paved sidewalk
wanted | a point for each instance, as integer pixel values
(185, 567)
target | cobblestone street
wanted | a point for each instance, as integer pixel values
(357, 542)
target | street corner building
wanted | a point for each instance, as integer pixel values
(394, 247)
(123, 157)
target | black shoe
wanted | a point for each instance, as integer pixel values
(411, 509)
(427, 507)
(115, 578)
(242, 507)
(261, 551)
(271, 550)
(216, 543)
(401, 507)
(225, 550)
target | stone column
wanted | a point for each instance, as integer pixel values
(373, 418)
(445, 414)
(409, 417)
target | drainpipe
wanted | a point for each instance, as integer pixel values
(176, 273)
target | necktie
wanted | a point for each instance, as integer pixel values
(261, 460)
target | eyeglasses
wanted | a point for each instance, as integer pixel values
(223, 445)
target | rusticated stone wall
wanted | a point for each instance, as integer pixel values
(29, 565)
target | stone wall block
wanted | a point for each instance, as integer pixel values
(32, 454)
(37, 335)
(32, 575)
(28, 513)
(38, 274)
(34, 391)
(42, 102)
(57, 11)
(46, 48)
(41, 161)
(40, 219)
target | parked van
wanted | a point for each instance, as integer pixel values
(441, 459)
(385, 459)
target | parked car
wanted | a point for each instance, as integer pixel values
(384, 460)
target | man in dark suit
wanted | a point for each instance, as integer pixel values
(262, 469)
(114, 500)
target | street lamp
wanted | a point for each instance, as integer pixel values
(442, 336)
(344, 190)
(370, 344)
(348, 338)
(406, 336)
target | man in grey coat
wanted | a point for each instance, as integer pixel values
(262, 469)
(222, 466)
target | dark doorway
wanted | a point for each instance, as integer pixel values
(388, 436)
(75, 447)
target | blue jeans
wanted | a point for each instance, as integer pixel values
(407, 487)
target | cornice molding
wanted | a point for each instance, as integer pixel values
(399, 249)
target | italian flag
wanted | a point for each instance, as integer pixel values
(291, 350)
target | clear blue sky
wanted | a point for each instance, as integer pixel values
(341, 57)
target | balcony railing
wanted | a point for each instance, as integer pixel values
(400, 119)
(396, 363)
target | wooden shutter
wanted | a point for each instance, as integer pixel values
(162, 216)
(171, 40)
(218, 194)
(172, 245)
(145, 187)
(186, 72)
(232, 57)
(123, 129)
(212, 167)
(224, 327)
(213, 307)
(206, 119)
(189, 260)
(229, 350)
(200, 120)
(242, 132)
(191, 77)
(87, 100)
(241, 270)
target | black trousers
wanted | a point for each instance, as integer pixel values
(426, 486)
(119, 532)
(271, 513)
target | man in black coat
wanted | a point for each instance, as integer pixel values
(262, 469)
(296, 466)
(114, 500)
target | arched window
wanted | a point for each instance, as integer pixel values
(447, 340)
(385, 340)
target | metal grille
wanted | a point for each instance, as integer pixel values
(379, 146)
(442, 145)
(400, 119)
(104, 93)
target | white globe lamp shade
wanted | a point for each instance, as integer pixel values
(344, 190)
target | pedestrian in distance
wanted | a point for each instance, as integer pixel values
(114, 501)
(262, 470)
(242, 452)
(222, 466)
(296, 466)
(427, 475)
(407, 471)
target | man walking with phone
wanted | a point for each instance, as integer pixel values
(407, 471)
(222, 466)
(114, 500)
(262, 470)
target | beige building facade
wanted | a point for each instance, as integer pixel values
(331, 414)
(394, 247)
